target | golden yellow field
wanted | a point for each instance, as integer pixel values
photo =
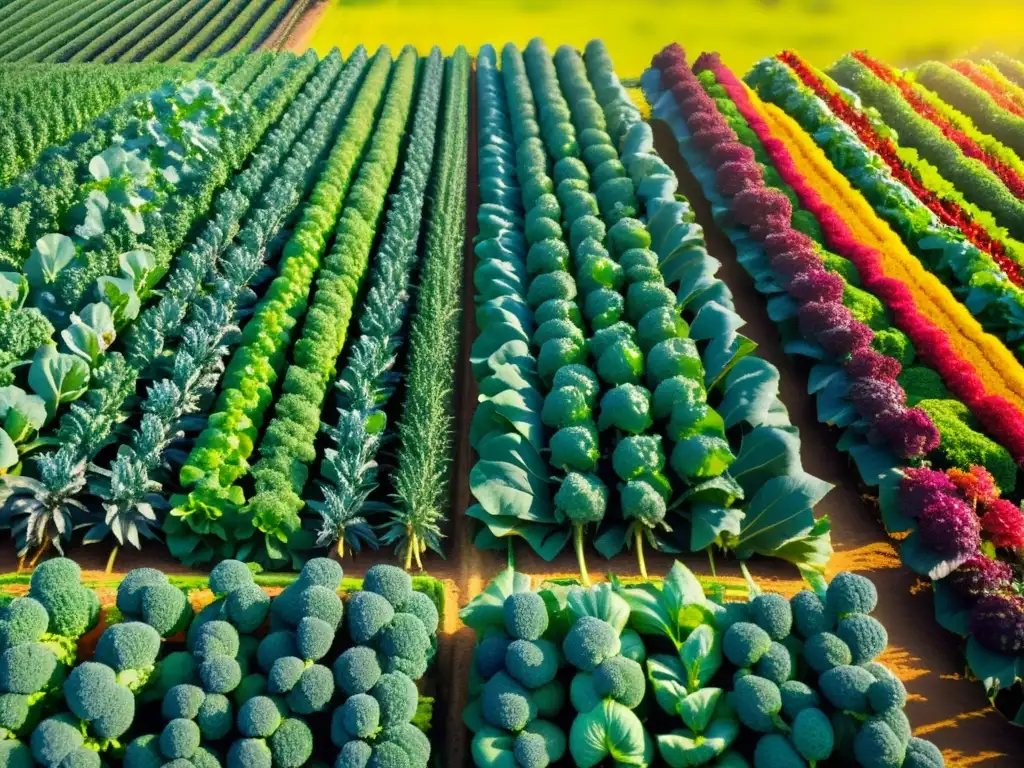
(897, 31)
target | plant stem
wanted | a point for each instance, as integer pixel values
(511, 553)
(21, 562)
(110, 560)
(711, 559)
(416, 552)
(577, 538)
(39, 553)
(408, 551)
(341, 547)
(638, 544)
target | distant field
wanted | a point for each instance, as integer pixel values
(899, 31)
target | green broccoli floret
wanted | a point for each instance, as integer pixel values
(249, 753)
(368, 614)
(579, 377)
(143, 752)
(923, 754)
(175, 668)
(247, 607)
(275, 646)
(28, 668)
(24, 620)
(776, 751)
(621, 363)
(775, 665)
(179, 739)
(589, 642)
(744, 643)
(314, 638)
(672, 357)
(413, 741)
(55, 738)
(254, 684)
(582, 693)
(72, 608)
(796, 697)
(627, 407)
(118, 719)
(886, 694)
(354, 754)
(421, 606)
(564, 407)
(898, 722)
(131, 647)
(215, 717)
(772, 613)
(83, 757)
(526, 615)
(321, 603)
(812, 734)
(575, 447)
(876, 746)
(506, 704)
(398, 698)
(658, 324)
(313, 692)
(89, 690)
(850, 593)
(322, 572)
(621, 679)
(360, 715)
(405, 637)
(530, 750)
(581, 499)
(215, 638)
(357, 670)
(388, 755)
(220, 674)
(846, 688)
(673, 391)
(165, 608)
(14, 754)
(636, 454)
(757, 702)
(532, 662)
(229, 575)
(824, 651)
(133, 586)
(547, 253)
(643, 502)
(14, 711)
(204, 758)
(864, 635)
(604, 307)
(259, 717)
(603, 339)
(809, 614)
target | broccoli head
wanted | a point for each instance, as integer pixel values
(72, 608)
(674, 391)
(360, 715)
(526, 615)
(165, 608)
(923, 754)
(776, 751)
(215, 638)
(745, 643)
(846, 688)
(626, 407)
(89, 690)
(357, 670)
(322, 572)
(24, 620)
(215, 717)
(253, 684)
(354, 754)
(796, 697)
(405, 637)
(772, 613)
(314, 638)
(388, 755)
(620, 679)
(589, 642)
(246, 607)
(368, 613)
(636, 454)
(28, 668)
(321, 603)
(220, 674)
(602, 308)
(578, 377)
(657, 324)
(249, 753)
(877, 746)
(506, 704)
(313, 691)
(532, 662)
(273, 647)
(850, 593)
(621, 363)
(809, 614)
(144, 752)
(131, 647)
(643, 502)
(757, 702)
(119, 716)
(575, 447)
(888, 693)
(812, 734)
(776, 664)
(14, 754)
(133, 586)
(413, 741)
(549, 699)
(565, 407)
(14, 711)
(259, 717)
(672, 357)
(824, 651)
(175, 668)
(292, 744)
(581, 499)
(229, 575)
(83, 757)
(55, 738)
(864, 635)
(398, 698)
(421, 606)
(179, 739)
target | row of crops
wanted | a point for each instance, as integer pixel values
(75, 31)
(233, 335)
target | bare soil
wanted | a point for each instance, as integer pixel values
(301, 31)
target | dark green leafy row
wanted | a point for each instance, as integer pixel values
(63, 30)
(184, 34)
(367, 381)
(109, 48)
(249, 29)
(33, 26)
(424, 458)
(113, 26)
(156, 36)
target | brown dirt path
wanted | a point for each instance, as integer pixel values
(296, 28)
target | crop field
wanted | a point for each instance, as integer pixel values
(415, 402)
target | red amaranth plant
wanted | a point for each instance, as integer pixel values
(973, 72)
(867, 363)
(976, 484)
(998, 622)
(1003, 524)
(949, 526)
(980, 575)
